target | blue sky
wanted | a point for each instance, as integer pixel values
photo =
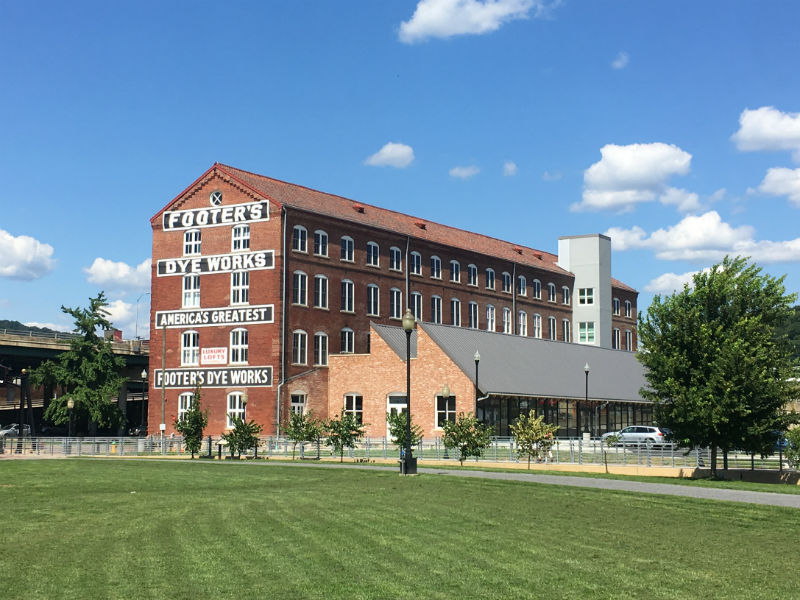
(674, 127)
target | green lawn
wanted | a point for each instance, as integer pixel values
(119, 529)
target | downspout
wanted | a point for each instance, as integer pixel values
(283, 326)
(514, 297)
(408, 291)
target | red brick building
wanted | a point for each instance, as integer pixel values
(257, 284)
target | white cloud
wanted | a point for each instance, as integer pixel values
(23, 257)
(781, 181)
(669, 283)
(621, 61)
(767, 128)
(119, 275)
(628, 175)
(554, 176)
(392, 155)
(509, 168)
(64, 328)
(683, 200)
(446, 18)
(464, 172)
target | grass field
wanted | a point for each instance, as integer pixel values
(140, 529)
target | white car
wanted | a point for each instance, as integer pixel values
(13, 430)
(640, 434)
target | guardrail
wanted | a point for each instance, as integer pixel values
(55, 335)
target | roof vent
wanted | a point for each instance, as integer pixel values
(421, 224)
(538, 255)
(517, 249)
(358, 207)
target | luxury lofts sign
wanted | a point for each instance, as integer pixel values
(215, 216)
(217, 263)
(204, 317)
(213, 377)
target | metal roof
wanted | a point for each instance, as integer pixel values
(395, 338)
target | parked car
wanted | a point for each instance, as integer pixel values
(13, 430)
(641, 434)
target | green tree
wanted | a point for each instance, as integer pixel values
(343, 431)
(193, 424)
(792, 451)
(466, 435)
(89, 370)
(303, 427)
(718, 373)
(243, 436)
(533, 437)
(397, 429)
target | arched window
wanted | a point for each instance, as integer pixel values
(321, 349)
(373, 254)
(537, 325)
(455, 312)
(522, 328)
(240, 238)
(190, 348)
(320, 243)
(191, 291)
(348, 341)
(395, 303)
(416, 263)
(436, 267)
(299, 347)
(373, 300)
(537, 289)
(490, 279)
(299, 288)
(472, 275)
(184, 404)
(522, 287)
(395, 259)
(239, 346)
(191, 242)
(455, 271)
(299, 239)
(347, 248)
(236, 408)
(347, 295)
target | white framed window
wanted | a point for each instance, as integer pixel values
(615, 339)
(373, 254)
(586, 332)
(299, 347)
(506, 279)
(445, 410)
(299, 239)
(354, 405)
(348, 341)
(191, 242)
(537, 325)
(239, 346)
(347, 295)
(395, 259)
(236, 408)
(240, 287)
(347, 246)
(551, 292)
(395, 303)
(416, 263)
(455, 312)
(436, 267)
(566, 330)
(551, 326)
(629, 340)
(522, 327)
(522, 286)
(616, 306)
(436, 309)
(321, 349)
(586, 296)
(628, 308)
(455, 271)
(191, 291)
(184, 404)
(190, 348)
(298, 403)
(506, 320)
(472, 275)
(240, 237)
(299, 288)
(537, 289)
(320, 243)
(373, 300)
(473, 315)
(490, 325)
(489, 279)
(320, 291)
(565, 295)
(416, 305)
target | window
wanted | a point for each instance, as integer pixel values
(239, 346)
(395, 303)
(236, 408)
(240, 287)
(472, 275)
(299, 290)
(373, 300)
(616, 306)
(320, 243)
(191, 291)
(537, 289)
(436, 267)
(191, 242)
(551, 325)
(506, 278)
(522, 288)
(240, 239)
(354, 405)
(348, 342)
(586, 296)
(299, 347)
(506, 320)
(455, 312)
(565, 295)
(416, 305)
(551, 292)
(628, 308)
(436, 309)
(321, 349)
(299, 239)
(537, 326)
(298, 404)
(373, 254)
(347, 295)
(523, 323)
(215, 198)
(490, 279)
(489, 317)
(395, 259)
(347, 249)
(455, 271)
(628, 340)
(473, 315)
(445, 410)
(565, 327)
(184, 404)
(615, 339)
(320, 291)
(586, 332)
(190, 348)
(416, 263)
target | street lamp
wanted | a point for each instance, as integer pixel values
(408, 465)
(477, 358)
(586, 398)
(145, 395)
(70, 406)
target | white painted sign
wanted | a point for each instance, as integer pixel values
(175, 220)
(213, 356)
(206, 317)
(215, 378)
(217, 263)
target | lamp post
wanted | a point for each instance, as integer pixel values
(586, 397)
(70, 406)
(477, 358)
(145, 395)
(408, 465)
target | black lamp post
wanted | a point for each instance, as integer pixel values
(477, 360)
(586, 399)
(70, 406)
(408, 465)
(145, 394)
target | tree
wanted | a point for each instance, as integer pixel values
(532, 436)
(793, 447)
(193, 423)
(718, 372)
(89, 370)
(303, 427)
(343, 431)
(243, 436)
(397, 429)
(466, 435)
